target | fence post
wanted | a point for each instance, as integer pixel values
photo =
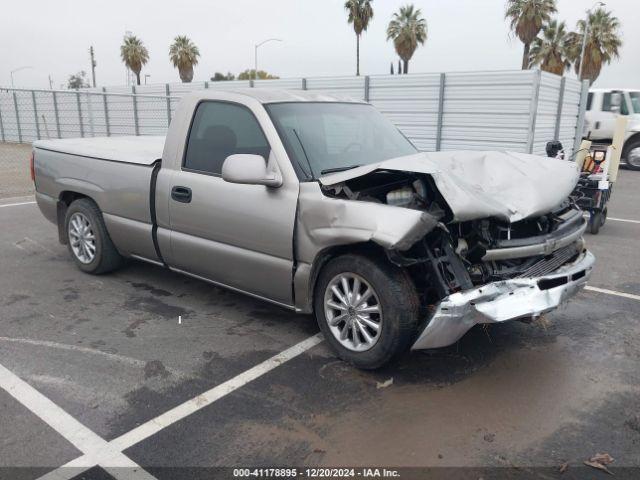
(15, 104)
(440, 113)
(584, 92)
(106, 111)
(79, 113)
(1, 124)
(366, 88)
(135, 110)
(56, 114)
(90, 108)
(35, 113)
(166, 89)
(556, 133)
(304, 84)
(533, 109)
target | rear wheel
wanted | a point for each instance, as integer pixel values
(88, 240)
(367, 310)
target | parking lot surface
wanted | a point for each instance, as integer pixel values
(128, 356)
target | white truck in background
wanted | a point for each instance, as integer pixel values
(603, 106)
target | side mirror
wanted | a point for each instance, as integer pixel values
(249, 169)
(616, 102)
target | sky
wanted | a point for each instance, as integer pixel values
(53, 37)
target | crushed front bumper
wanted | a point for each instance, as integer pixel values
(505, 300)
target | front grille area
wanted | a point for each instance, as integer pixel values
(551, 262)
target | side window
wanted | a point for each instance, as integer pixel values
(221, 129)
(589, 100)
(606, 103)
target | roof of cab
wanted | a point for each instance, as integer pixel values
(605, 90)
(273, 95)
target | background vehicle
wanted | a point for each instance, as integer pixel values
(603, 106)
(319, 204)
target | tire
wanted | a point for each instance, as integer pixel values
(88, 241)
(396, 299)
(632, 154)
(596, 220)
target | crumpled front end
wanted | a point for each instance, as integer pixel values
(485, 238)
(497, 302)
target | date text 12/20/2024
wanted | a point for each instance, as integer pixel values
(315, 473)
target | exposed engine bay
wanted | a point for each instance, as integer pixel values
(460, 255)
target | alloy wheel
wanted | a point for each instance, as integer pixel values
(353, 312)
(82, 238)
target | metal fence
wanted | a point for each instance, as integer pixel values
(510, 110)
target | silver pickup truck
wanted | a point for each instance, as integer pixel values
(320, 205)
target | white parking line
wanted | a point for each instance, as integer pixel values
(97, 450)
(91, 351)
(615, 219)
(623, 220)
(176, 414)
(155, 425)
(16, 204)
(612, 292)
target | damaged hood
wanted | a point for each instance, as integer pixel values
(506, 185)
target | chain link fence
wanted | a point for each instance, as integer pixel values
(29, 115)
(510, 110)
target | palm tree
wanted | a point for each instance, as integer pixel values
(407, 29)
(360, 14)
(134, 54)
(603, 43)
(184, 54)
(550, 50)
(527, 18)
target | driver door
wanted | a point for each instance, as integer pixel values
(239, 236)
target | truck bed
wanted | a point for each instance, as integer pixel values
(140, 150)
(115, 172)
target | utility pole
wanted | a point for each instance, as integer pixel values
(93, 66)
(50, 83)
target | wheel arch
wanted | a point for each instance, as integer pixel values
(65, 199)
(368, 249)
(633, 138)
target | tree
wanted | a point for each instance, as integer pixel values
(134, 54)
(184, 54)
(360, 14)
(251, 75)
(407, 29)
(550, 50)
(219, 77)
(79, 80)
(603, 43)
(527, 18)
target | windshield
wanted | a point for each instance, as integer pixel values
(635, 101)
(325, 137)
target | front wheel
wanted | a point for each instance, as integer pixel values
(632, 155)
(367, 310)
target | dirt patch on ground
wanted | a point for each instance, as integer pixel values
(15, 179)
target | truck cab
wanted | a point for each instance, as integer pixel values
(603, 106)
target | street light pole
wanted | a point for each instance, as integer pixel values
(584, 38)
(255, 54)
(17, 70)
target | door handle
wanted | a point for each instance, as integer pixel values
(181, 194)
